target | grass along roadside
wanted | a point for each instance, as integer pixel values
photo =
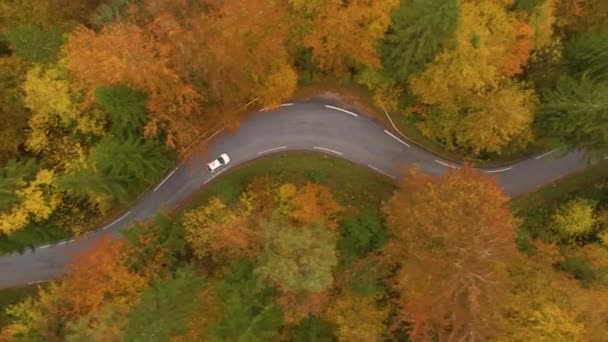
(572, 184)
(353, 186)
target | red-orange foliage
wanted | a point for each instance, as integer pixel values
(345, 33)
(519, 53)
(237, 47)
(98, 276)
(452, 238)
(568, 11)
(315, 203)
(124, 54)
(298, 306)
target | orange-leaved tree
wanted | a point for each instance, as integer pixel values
(123, 53)
(97, 278)
(99, 275)
(451, 240)
(314, 203)
(344, 33)
(230, 50)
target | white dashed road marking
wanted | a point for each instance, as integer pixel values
(546, 154)
(45, 246)
(341, 110)
(328, 150)
(380, 171)
(446, 164)
(212, 177)
(164, 180)
(272, 149)
(214, 134)
(497, 171)
(281, 105)
(37, 282)
(396, 138)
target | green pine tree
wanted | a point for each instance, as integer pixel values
(250, 313)
(588, 54)
(417, 34)
(164, 309)
(35, 44)
(576, 112)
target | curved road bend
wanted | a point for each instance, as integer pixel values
(309, 125)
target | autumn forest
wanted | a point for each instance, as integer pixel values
(99, 98)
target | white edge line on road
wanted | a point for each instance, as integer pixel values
(212, 177)
(380, 171)
(396, 138)
(446, 164)
(281, 105)
(546, 154)
(61, 243)
(214, 134)
(328, 150)
(272, 149)
(118, 219)
(37, 282)
(43, 247)
(341, 110)
(164, 180)
(496, 171)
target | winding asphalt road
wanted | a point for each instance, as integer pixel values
(310, 125)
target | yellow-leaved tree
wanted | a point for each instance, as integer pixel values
(37, 200)
(57, 124)
(359, 318)
(490, 45)
(48, 96)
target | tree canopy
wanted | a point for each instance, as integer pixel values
(452, 239)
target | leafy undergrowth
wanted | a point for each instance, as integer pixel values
(12, 296)
(538, 209)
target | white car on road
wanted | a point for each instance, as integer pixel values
(223, 159)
